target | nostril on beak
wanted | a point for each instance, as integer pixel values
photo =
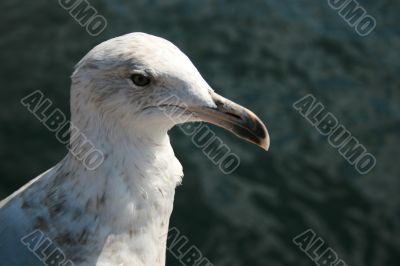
(218, 102)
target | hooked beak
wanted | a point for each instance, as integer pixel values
(235, 118)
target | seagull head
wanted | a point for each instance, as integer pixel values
(146, 84)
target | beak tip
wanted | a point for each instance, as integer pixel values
(263, 139)
(265, 147)
(265, 143)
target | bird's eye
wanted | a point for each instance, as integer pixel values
(140, 80)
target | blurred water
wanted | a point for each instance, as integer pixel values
(264, 55)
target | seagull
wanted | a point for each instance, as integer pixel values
(118, 213)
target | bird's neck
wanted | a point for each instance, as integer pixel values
(129, 197)
(131, 167)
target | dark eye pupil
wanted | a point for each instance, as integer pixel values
(140, 80)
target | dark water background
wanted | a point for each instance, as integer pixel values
(264, 55)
